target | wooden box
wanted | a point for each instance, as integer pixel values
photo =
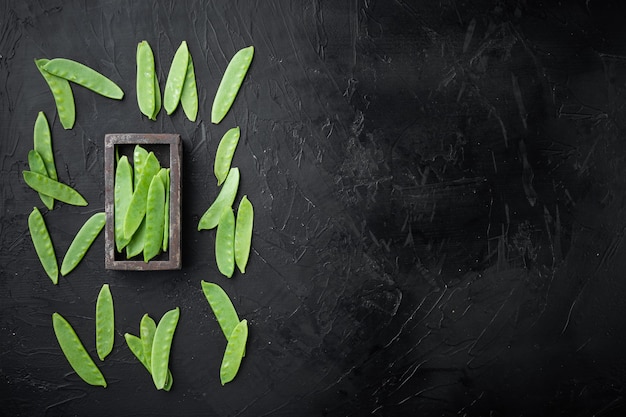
(168, 150)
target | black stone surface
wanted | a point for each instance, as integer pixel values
(440, 208)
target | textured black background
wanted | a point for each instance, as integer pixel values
(439, 190)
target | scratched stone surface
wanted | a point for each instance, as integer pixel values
(439, 198)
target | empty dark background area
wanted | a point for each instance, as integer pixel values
(439, 208)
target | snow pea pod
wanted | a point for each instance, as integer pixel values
(147, 328)
(137, 206)
(243, 233)
(62, 94)
(43, 244)
(222, 307)
(146, 95)
(234, 352)
(176, 78)
(224, 154)
(225, 198)
(189, 95)
(82, 242)
(161, 346)
(231, 82)
(166, 219)
(155, 213)
(135, 344)
(42, 143)
(157, 98)
(135, 246)
(122, 194)
(36, 164)
(225, 243)
(55, 189)
(85, 76)
(140, 155)
(75, 352)
(105, 322)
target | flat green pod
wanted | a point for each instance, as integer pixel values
(84, 76)
(55, 189)
(243, 233)
(224, 154)
(137, 207)
(43, 244)
(234, 352)
(36, 164)
(176, 78)
(161, 346)
(140, 155)
(145, 80)
(105, 322)
(231, 83)
(135, 246)
(122, 194)
(222, 307)
(165, 176)
(62, 94)
(189, 95)
(82, 242)
(155, 214)
(42, 143)
(225, 243)
(147, 328)
(225, 198)
(75, 352)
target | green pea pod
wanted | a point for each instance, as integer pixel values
(222, 307)
(155, 213)
(55, 189)
(140, 155)
(42, 143)
(146, 96)
(147, 328)
(43, 244)
(136, 347)
(75, 352)
(85, 76)
(234, 352)
(225, 243)
(224, 154)
(82, 242)
(105, 322)
(157, 98)
(166, 217)
(36, 164)
(176, 78)
(189, 95)
(231, 82)
(122, 194)
(135, 246)
(137, 206)
(62, 94)
(161, 347)
(243, 233)
(225, 198)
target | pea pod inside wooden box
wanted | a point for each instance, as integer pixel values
(142, 201)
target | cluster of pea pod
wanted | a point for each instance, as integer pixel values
(141, 205)
(233, 237)
(42, 177)
(153, 345)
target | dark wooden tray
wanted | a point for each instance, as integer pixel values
(168, 149)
